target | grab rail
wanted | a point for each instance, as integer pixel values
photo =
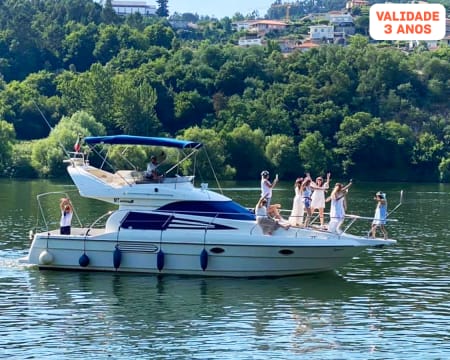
(61, 193)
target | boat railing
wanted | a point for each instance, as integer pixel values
(76, 159)
(219, 215)
(313, 223)
(207, 224)
(354, 218)
(43, 214)
(211, 218)
(97, 223)
(349, 221)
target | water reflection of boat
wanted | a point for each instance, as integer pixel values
(140, 291)
(174, 307)
(169, 226)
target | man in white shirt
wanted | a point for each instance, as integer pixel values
(152, 168)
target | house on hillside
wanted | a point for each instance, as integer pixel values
(321, 33)
(250, 41)
(307, 45)
(131, 7)
(259, 26)
(241, 25)
(288, 46)
(351, 4)
(343, 23)
(265, 26)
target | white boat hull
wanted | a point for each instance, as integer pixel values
(304, 251)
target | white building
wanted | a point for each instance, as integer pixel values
(259, 26)
(321, 32)
(343, 23)
(132, 7)
(242, 25)
(250, 42)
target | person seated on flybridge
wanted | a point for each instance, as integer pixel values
(152, 167)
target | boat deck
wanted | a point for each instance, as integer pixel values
(131, 177)
(76, 232)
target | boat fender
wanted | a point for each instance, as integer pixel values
(117, 257)
(84, 260)
(204, 259)
(45, 258)
(160, 260)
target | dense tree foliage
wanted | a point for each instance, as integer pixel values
(47, 153)
(6, 147)
(366, 111)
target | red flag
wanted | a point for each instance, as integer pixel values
(77, 145)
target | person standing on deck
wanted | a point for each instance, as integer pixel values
(318, 197)
(337, 209)
(306, 191)
(296, 217)
(379, 220)
(66, 216)
(267, 186)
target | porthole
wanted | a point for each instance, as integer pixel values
(286, 252)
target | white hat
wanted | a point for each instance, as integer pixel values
(381, 194)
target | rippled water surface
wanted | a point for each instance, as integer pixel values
(392, 303)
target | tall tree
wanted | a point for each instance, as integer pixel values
(243, 140)
(134, 107)
(163, 10)
(109, 16)
(7, 136)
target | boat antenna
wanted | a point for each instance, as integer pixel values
(51, 129)
(212, 168)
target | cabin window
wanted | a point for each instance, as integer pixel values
(219, 209)
(146, 221)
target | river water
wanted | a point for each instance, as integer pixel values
(387, 303)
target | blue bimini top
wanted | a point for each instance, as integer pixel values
(142, 140)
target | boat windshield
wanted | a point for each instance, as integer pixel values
(219, 209)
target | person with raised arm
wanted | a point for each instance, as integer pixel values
(379, 219)
(267, 186)
(338, 206)
(296, 217)
(66, 216)
(318, 197)
(306, 191)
